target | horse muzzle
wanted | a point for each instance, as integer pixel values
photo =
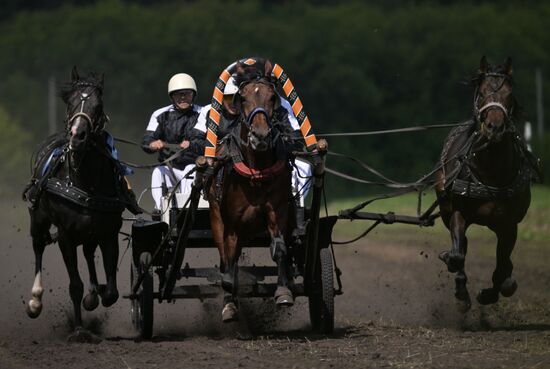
(494, 132)
(258, 143)
(78, 136)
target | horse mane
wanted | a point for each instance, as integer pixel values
(93, 79)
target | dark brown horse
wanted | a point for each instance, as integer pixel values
(485, 180)
(256, 187)
(76, 187)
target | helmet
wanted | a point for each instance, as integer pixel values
(230, 88)
(181, 81)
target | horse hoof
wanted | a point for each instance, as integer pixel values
(508, 287)
(283, 297)
(34, 308)
(91, 301)
(81, 335)
(487, 296)
(227, 282)
(464, 306)
(229, 313)
(454, 262)
(109, 299)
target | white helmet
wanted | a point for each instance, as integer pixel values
(230, 87)
(181, 81)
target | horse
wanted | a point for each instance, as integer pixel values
(485, 176)
(76, 188)
(255, 189)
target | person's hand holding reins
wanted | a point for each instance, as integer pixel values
(185, 144)
(157, 145)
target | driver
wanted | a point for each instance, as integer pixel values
(173, 128)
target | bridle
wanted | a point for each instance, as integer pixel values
(84, 96)
(258, 110)
(74, 163)
(491, 104)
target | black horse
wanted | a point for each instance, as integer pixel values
(76, 186)
(485, 179)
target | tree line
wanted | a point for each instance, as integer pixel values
(357, 66)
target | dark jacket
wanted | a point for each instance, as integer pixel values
(175, 126)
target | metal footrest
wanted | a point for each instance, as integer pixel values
(247, 274)
(213, 290)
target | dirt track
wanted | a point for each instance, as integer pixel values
(397, 310)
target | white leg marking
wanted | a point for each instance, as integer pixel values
(35, 303)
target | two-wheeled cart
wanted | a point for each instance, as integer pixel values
(158, 253)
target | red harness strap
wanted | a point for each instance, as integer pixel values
(260, 175)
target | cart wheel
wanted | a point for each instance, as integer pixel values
(142, 306)
(321, 300)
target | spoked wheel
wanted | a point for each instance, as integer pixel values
(142, 306)
(321, 298)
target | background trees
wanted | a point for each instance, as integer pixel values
(356, 65)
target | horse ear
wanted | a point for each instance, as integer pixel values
(240, 69)
(483, 65)
(508, 66)
(74, 74)
(268, 67)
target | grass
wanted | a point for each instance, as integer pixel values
(535, 226)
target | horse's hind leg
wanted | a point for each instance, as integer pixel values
(40, 232)
(503, 281)
(109, 251)
(91, 300)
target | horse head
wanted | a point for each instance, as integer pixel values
(257, 99)
(85, 116)
(493, 100)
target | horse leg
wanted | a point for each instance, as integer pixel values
(109, 251)
(76, 290)
(503, 281)
(455, 258)
(91, 300)
(279, 254)
(34, 307)
(40, 237)
(230, 278)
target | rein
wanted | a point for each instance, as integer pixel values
(168, 160)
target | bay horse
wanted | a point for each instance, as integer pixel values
(485, 179)
(255, 189)
(75, 187)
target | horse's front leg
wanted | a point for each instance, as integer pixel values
(109, 252)
(230, 279)
(279, 253)
(40, 238)
(456, 257)
(227, 269)
(91, 300)
(34, 307)
(503, 281)
(76, 290)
